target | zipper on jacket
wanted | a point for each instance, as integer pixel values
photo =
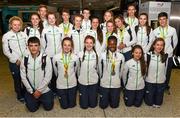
(157, 68)
(79, 41)
(88, 68)
(19, 45)
(67, 82)
(34, 73)
(137, 75)
(54, 41)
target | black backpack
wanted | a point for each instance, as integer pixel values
(42, 67)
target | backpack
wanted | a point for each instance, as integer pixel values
(42, 67)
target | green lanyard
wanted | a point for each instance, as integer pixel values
(163, 32)
(130, 21)
(19, 45)
(142, 33)
(121, 34)
(66, 28)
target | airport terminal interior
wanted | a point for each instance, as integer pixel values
(11, 107)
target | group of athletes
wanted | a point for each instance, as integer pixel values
(99, 60)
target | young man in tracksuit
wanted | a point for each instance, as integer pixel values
(14, 47)
(169, 35)
(36, 73)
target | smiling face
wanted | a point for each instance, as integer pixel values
(163, 21)
(95, 23)
(137, 54)
(15, 25)
(143, 20)
(77, 21)
(89, 44)
(35, 20)
(42, 12)
(65, 16)
(110, 27)
(51, 19)
(118, 23)
(131, 11)
(34, 48)
(67, 46)
(158, 46)
(107, 16)
(112, 45)
(86, 14)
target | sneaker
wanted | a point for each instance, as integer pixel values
(21, 100)
(156, 106)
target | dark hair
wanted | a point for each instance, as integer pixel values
(120, 17)
(163, 57)
(113, 38)
(148, 28)
(133, 5)
(65, 10)
(86, 9)
(68, 39)
(42, 6)
(142, 61)
(40, 22)
(33, 40)
(77, 15)
(99, 31)
(162, 14)
(93, 39)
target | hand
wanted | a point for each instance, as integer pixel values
(18, 62)
(121, 46)
(37, 94)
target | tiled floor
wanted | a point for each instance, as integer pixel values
(10, 107)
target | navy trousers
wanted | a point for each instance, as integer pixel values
(88, 95)
(154, 93)
(133, 97)
(52, 84)
(127, 55)
(18, 86)
(109, 96)
(47, 100)
(67, 97)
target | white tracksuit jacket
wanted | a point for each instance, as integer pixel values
(61, 26)
(38, 77)
(99, 47)
(51, 40)
(78, 39)
(127, 40)
(156, 70)
(132, 77)
(132, 22)
(14, 45)
(33, 32)
(103, 27)
(143, 40)
(71, 81)
(88, 70)
(171, 39)
(107, 80)
(86, 25)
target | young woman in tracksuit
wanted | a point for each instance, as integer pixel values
(35, 28)
(97, 33)
(169, 34)
(111, 66)
(89, 74)
(131, 19)
(109, 32)
(51, 42)
(133, 77)
(126, 37)
(43, 11)
(156, 74)
(145, 35)
(65, 66)
(78, 34)
(65, 26)
(36, 73)
(108, 15)
(14, 47)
